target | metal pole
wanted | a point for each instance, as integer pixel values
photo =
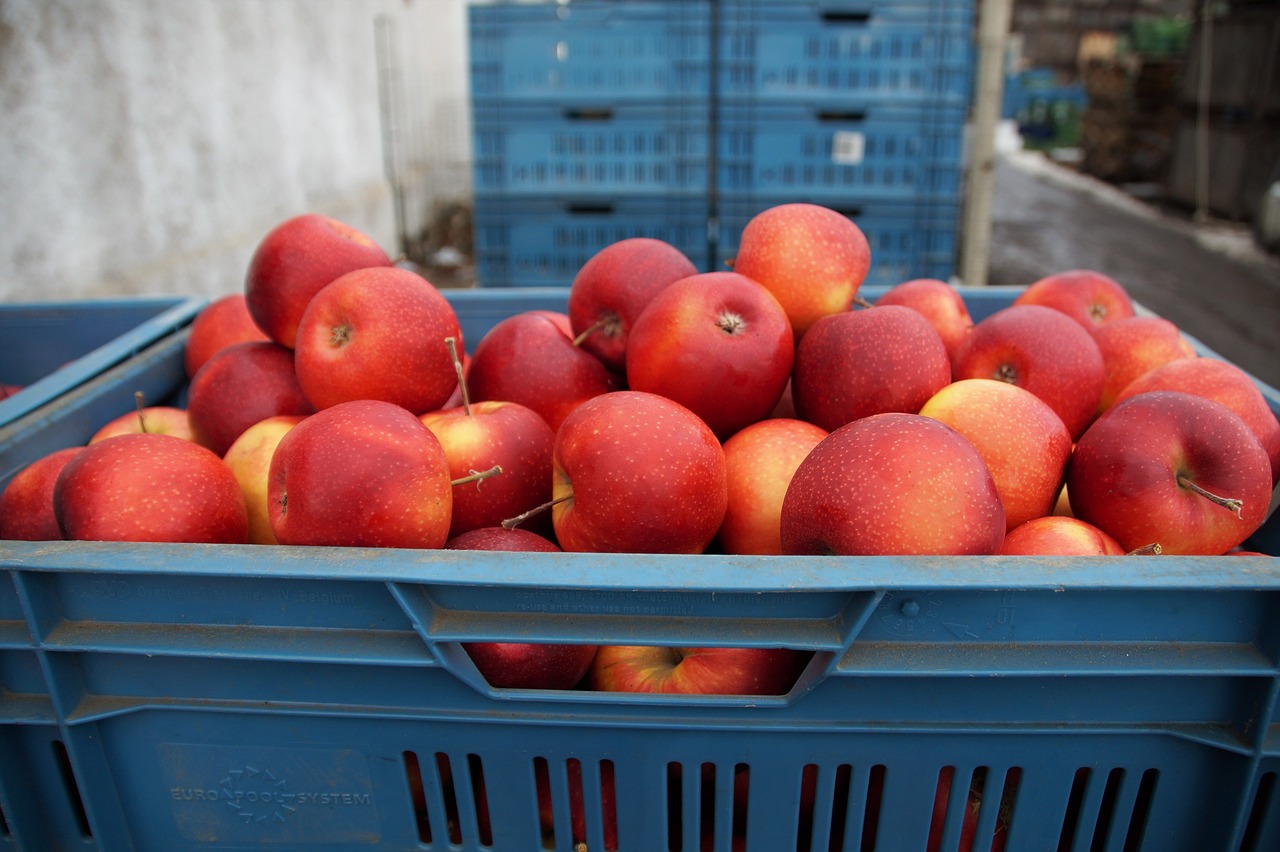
(993, 30)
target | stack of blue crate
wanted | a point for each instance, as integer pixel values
(597, 120)
(590, 123)
(859, 106)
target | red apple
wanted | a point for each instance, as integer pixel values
(7, 391)
(156, 419)
(364, 473)
(693, 671)
(26, 503)
(378, 334)
(1164, 467)
(479, 435)
(221, 323)
(1023, 442)
(717, 343)
(1088, 297)
(145, 487)
(1056, 535)
(1133, 346)
(759, 463)
(1221, 382)
(1042, 350)
(871, 361)
(294, 261)
(612, 289)
(810, 257)
(249, 458)
(637, 472)
(939, 303)
(892, 484)
(238, 387)
(502, 538)
(530, 358)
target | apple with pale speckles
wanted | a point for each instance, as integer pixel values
(242, 385)
(1133, 346)
(1056, 535)
(26, 503)
(364, 473)
(864, 362)
(637, 472)
(892, 484)
(147, 487)
(939, 303)
(1089, 297)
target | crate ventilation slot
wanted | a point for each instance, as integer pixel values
(459, 790)
(1107, 819)
(1266, 799)
(567, 784)
(71, 788)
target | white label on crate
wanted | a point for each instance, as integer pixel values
(238, 794)
(848, 147)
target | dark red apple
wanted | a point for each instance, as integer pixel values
(239, 386)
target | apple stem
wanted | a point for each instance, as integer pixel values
(457, 368)
(1153, 549)
(512, 523)
(1231, 503)
(604, 322)
(139, 402)
(861, 302)
(478, 475)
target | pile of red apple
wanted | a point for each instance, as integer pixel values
(763, 410)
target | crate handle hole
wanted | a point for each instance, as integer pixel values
(845, 16)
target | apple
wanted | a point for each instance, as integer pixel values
(378, 333)
(146, 487)
(1042, 350)
(502, 538)
(475, 437)
(1173, 469)
(1222, 382)
(1088, 297)
(294, 261)
(1133, 346)
(810, 257)
(7, 391)
(249, 458)
(613, 287)
(1024, 443)
(156, 419)
(872, 361)
(529, 358)
(717, 343)
(365, 473)
(26, 503)
(1056, 535)
(693, 671)
(239, 386)
(759, 463)
(892, 484)
(637, 472)
(221, 323)
(939, 303)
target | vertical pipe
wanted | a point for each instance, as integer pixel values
(993, 29)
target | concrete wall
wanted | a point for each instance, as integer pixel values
(148, 145)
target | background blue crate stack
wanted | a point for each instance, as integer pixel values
(859, 106)
(590, 124)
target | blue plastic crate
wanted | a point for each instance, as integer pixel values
(599, 49)
(191, 697)
(877, 51)
(47, 348)
(539, 242)
(908, 240)
(868, 152)
(610, 149)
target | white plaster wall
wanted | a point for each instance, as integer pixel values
(147, 145)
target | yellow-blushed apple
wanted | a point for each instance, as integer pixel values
(693, 671)
(1089, 297)
(759, 463)
(1024, 443)
(1056, 535)
(812, 258)
(156, 419)
(1133, 346)
(249, 458)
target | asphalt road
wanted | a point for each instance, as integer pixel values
(1209, 280)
